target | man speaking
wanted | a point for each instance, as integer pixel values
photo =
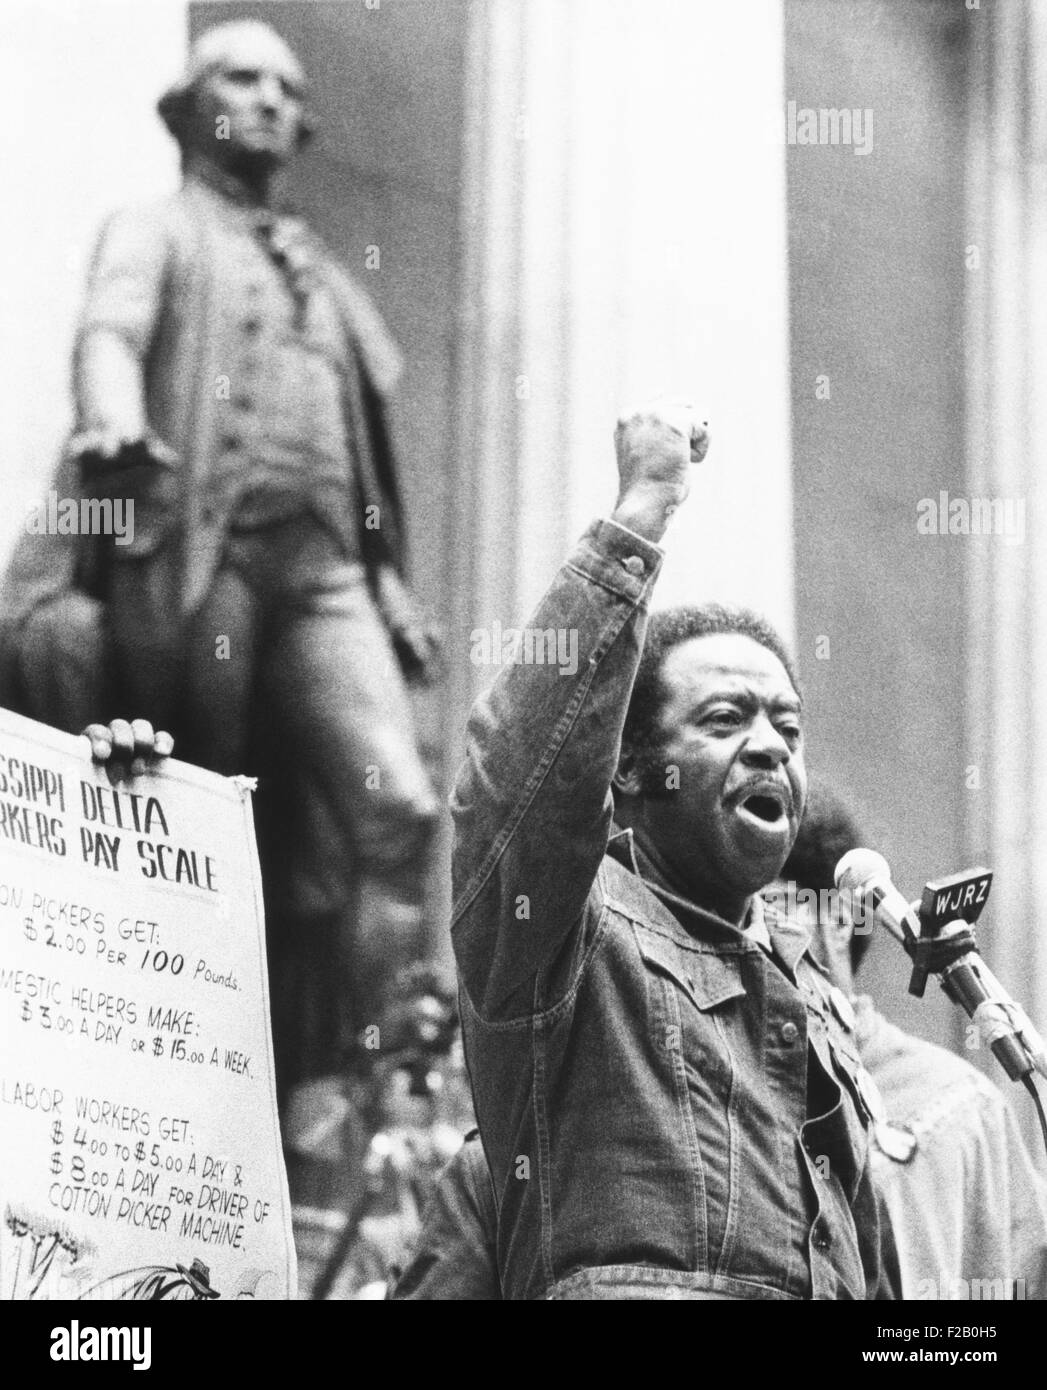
(668, 1092)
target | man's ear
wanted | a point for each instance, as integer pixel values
(627, 778)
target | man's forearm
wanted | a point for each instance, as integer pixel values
(645, 512)
(532, 804)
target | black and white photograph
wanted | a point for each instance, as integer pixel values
(523, 618)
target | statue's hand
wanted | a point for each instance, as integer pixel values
(104, 451)
(416, 639)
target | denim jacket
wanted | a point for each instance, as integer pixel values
(667, 1109)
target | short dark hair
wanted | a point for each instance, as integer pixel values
(668, 629)
(827, 832)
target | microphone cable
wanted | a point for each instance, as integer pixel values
(1030, 1086)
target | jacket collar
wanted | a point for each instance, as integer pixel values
(789, 940)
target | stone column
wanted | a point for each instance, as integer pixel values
(624, 219)
(1006, 352)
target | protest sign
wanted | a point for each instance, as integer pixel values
(139, 1143)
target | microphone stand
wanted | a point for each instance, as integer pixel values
(946, 947)
(1002, 1022)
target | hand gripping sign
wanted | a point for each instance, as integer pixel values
(139, 1144)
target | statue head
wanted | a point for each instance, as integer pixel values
(241, 99)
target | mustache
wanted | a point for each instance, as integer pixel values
(764, 786)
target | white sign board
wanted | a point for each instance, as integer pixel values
(139, 1144)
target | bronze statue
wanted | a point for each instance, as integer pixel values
(231, 382)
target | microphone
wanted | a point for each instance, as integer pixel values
(967, 980)
(866, 877)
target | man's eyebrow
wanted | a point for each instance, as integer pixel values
(789, 704)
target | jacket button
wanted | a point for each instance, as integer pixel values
(634, 564)
(789, 1033)
(821, 1236)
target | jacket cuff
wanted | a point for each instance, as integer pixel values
(618, 559)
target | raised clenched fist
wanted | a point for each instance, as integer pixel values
(656, 445)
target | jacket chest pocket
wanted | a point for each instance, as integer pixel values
(689, 994)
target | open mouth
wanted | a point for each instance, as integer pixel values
(765, 808)
(765, 813)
